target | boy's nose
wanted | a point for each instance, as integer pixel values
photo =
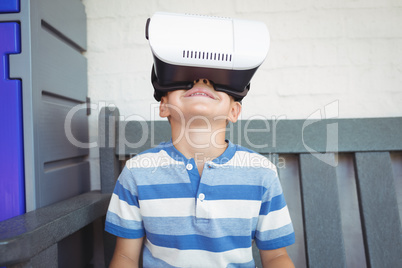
(203, 80)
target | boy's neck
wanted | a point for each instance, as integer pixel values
(203, 141)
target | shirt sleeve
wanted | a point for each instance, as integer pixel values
(123, 217)
(274, 227)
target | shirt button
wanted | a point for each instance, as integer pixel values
(201, 197)
(189, 166)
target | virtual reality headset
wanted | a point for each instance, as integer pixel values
(223, 50)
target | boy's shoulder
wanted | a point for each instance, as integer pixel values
(246, 157)
(153, 157)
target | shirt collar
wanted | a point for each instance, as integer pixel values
(220, 160)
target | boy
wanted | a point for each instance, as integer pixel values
(199, 200)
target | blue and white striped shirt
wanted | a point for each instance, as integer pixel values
(193, 221)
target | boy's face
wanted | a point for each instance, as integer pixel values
(200, 102)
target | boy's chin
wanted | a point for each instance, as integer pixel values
(199, 109)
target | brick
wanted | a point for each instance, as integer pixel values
(114, 9)
(134, 8)
(108, 34)
(327, 4)
(329, 24)
(358, 51)
(328, 80)
(384, 51)
(373, 105)
(292, 81)
(289, 53)
(374, 51)
(245, 6)
(313, 80)
(346, 4)
(206, 7)
(119, 61)
(286, 26)
(395, 3)
(373, 23)
(103, 34)
(363, 4)
(253, 106)
(138, 109)
(306, 24)
(102, 87)
(135, 31)
(136, 86)
(326, 52)
(397, 49)
(386, 78)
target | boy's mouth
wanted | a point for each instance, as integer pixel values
(199, 92)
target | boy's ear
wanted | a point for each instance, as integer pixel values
(234, 112)
(163, 108)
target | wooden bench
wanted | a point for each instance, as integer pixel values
(53, 72)
(342, 180)
(34, 239)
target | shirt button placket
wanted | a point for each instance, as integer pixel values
(189, 166)
(202, 211)
(201, 197)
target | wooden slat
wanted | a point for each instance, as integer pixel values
(379, 208)
(109, 162)
(66, 17)
(396, 159)
(137, 136)
(54, 141)
(350, 212)
(65, 68)
(289, 175)
(73, 178)
(307, 136)
(283, 136)
(322, 217)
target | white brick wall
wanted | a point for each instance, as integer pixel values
(349, 51)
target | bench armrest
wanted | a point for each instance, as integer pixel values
(24, 236)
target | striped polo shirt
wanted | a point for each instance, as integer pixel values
(200, 221)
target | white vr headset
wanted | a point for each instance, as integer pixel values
(189, 47)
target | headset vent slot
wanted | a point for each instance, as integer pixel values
(202, 55)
